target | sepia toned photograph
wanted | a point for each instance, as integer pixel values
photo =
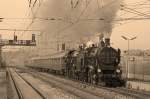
(74, 49)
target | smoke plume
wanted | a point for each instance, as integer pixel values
(73, 20)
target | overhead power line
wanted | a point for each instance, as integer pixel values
(34, 2)
(36, 18)
(135, 11)
(19, 30)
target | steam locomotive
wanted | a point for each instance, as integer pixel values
(95, 64)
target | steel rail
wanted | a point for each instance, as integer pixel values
(122, 91)
(36, 90)
(19, 94)
(46, 79)
(119, 90)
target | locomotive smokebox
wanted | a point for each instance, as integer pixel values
(107, 41)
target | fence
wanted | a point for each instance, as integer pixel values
(138, 67)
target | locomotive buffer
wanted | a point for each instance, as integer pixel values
(15, 42)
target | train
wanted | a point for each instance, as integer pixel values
(96, 64)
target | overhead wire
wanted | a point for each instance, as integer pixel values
(135, 3)
(135, 11)
(19, 30)
(78, 19)
(71, 24)
(131, 11)
(34, 3)
(32, 21)
(33, 15)
(132, 19)
(137, 6)
(144, 15)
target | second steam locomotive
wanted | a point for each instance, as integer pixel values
(95, 64)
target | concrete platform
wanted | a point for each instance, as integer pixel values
(139, 85)
(3, 85)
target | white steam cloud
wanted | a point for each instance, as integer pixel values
(74, 20)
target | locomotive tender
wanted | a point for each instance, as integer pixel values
(96, 64)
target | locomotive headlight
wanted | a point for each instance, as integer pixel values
(118, 71)
(99, 70)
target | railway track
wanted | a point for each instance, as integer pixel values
(123, 92)
(85, 91)
(79, 92)
(134, 93)
(23, 89)
(46, 90)
(16, 91)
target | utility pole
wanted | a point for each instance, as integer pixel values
(1, 55)
(128, 55)
(1, 45)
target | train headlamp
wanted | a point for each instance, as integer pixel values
(118, 71)
(99, 70)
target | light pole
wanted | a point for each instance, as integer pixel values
(127, 66)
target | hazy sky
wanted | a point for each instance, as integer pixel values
(141, 28)
(13, 9)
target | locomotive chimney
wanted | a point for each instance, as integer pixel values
(107, 41)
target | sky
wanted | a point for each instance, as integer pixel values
(138, 28)
(20, 9)
(13, 9)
